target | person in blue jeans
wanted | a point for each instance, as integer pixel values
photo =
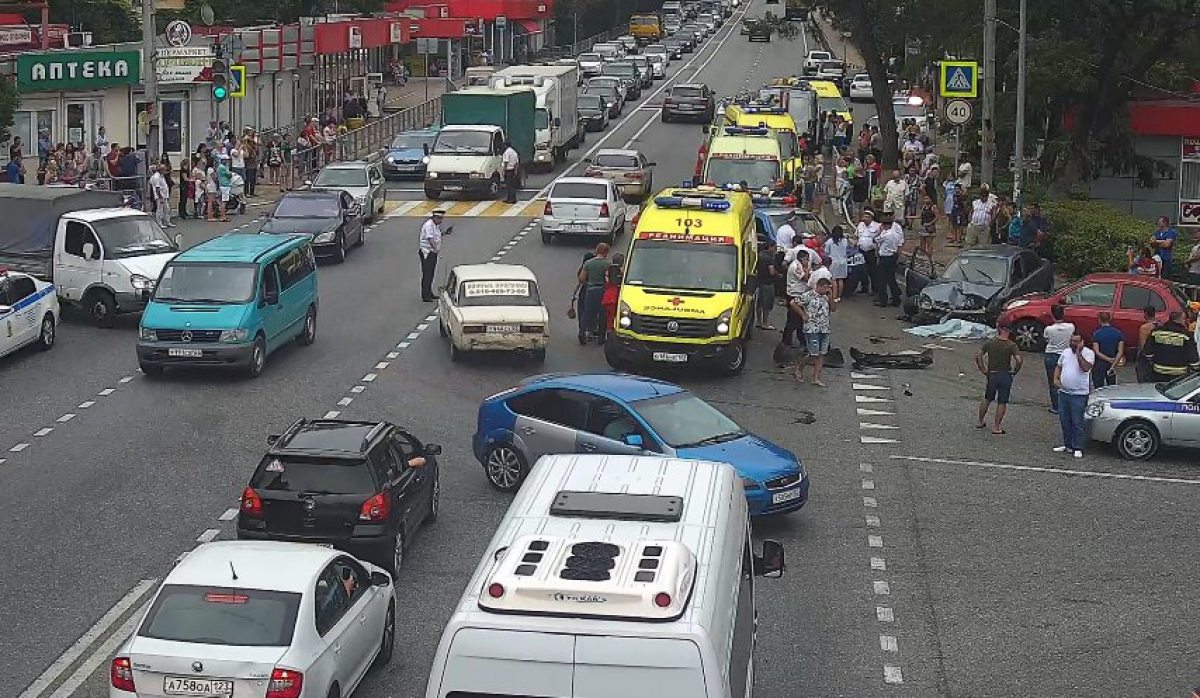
(1058, 337)
(1073, 378)
(592, 276)
(1109, 345)
(579, 300)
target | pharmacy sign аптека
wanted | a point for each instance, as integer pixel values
(69, 71)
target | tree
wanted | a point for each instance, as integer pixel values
(9, 101)
(239, 13)
(780, 26)
(109, 21)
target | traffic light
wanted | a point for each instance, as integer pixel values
(220, 79)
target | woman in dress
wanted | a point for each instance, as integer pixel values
(837, 250)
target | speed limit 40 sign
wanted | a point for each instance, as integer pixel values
(958, 111)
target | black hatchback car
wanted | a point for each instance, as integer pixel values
(362, 487)
(331, 218)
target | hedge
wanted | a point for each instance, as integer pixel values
(1089, 236)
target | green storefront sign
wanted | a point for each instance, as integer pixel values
(77, 70)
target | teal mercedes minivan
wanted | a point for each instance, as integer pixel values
(229, 302)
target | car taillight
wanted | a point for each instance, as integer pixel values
(532, 329)
(668, 101)
(251, 502)
(285, 683)
(121, 674)
(636, 217)
(604, 210)
(548, 209)
(590, 172)
(376, 508)
(637, 176)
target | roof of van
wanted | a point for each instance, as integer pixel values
(712, 520)
(749, 145)
(238, 247)
(778, 121)
(825, 88)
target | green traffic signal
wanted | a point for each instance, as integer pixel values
(220, 92)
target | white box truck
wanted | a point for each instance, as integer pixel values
(556, 119)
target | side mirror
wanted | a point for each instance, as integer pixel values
(271, 297)
(272, 439)
(651, 164)
(433, 449)
(308, 182)
(634, 440)
(89, 250)
(380, 579)
(179, 240)
(771, 563)
(5, 309)
(425, 147)
(417, 462)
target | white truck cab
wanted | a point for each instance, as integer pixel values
(621, 576)
(466, 159)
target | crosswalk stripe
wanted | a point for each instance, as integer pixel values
(479, 208)
(495, 208)
(459, 208)
(465, 209)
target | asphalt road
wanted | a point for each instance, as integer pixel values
(989, 568)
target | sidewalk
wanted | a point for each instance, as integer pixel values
(839, 46)
(413, 93)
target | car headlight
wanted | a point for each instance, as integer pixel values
(147, 335)
(626, 315)
(431, 175)
(971, 302)
(749, 483)
(723, 321)
(141, 283)
(1012, 305)
(476, 175)
(1095, 408)
(325, 237)
(238, 335)
(391, 160)
(425, 161)
(925, 302)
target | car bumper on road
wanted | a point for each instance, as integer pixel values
(371, 542)
(1101, 429)
(544, 157)
(132, 301)
(593, 229)
(633, 189)
(458, 186)
(594, 124)
(698, 113)
(763, 502)
(407, 171)
(326, 249)
(209, 354)
(646, 353)
(521, 342)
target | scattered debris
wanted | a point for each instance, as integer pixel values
(900, 359)
(805, 417)
(957, 329)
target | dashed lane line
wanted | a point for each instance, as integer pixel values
(1053, 471)
(228, 515)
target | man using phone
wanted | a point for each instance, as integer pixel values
(1073, 378)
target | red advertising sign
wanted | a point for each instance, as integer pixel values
(1189, 213)
(686, 237)
(1191, 148)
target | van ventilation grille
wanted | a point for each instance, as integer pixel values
(591, 562)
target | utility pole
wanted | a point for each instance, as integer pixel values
(150, 80)
(1019, 172)
(988, 145)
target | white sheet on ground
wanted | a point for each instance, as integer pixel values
(954, 329)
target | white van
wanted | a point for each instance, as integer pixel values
(611, 576)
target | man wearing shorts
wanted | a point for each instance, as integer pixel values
(814, 306)
(999, 360)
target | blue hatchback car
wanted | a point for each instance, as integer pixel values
(408, 153)
(628, 415)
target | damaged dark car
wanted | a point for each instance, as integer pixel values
(974, 286)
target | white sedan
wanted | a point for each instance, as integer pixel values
(256, 618)
(28, 312)
(489, 307)
(860, 89)
(585, 207)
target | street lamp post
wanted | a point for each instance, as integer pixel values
(1019, 171)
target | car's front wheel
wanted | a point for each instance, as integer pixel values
(47, 334)
(1028, 335)
(1137, 440)
(505, 467)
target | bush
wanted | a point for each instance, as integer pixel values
(1089, 236)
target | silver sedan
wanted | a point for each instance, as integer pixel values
(1140, 417)
(583, 206)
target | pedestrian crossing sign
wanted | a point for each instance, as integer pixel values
(237, 74)
(959, 79)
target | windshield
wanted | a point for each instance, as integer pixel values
(819, 55)
(979, 270)
(806, 224)
(207, 283)
(1181, 387)
(590, 58)
(621, 69)
(580, 190)
(498, 292)
(617, 160)
(687, 92)
(684, 266)
(463, 142)
(614, 83)
(644, 21)
(222, 616)
(653, 49)
(307, 207)
(412, 141)
(606, 50)
(132, 236)
(591, 102)
(334, 177)
(541, 119)
(756, 173)
(683, 420)
(831, 104)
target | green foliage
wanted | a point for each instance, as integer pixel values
(110, 21)
(1089, 236)
(240, 13)
(10, 100)
(779, 25)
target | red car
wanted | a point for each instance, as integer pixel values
(1123, 295)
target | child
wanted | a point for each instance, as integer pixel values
(1147, 262)
(928, 225)
(814, 307)
(274, 160)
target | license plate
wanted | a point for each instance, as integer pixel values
(670, 358)
(576, 227)
(186, 353)
(453, 187)
(186, 686)
(781, 497)
(501, 329)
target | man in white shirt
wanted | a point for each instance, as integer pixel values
(430, 245)
(983, 210)
(512, 163)
(799, 267)
(785, 237)
(162, 196)
(888, 241)
(894, 192)
(1073, 377)
(866, 231)
(1058, 338)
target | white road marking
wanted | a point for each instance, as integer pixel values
(208, 535)
(868, 386)
(872, 520)
(381, 365)
(358, 389)
(404, 208)
(495, 258)
(518, 209)
(478, 208)
(18, 448)
(881, 588)
(875, 541)
(870, 398)
(866, 467)
(403, 345)
(228, 515)
(430, 318)
(66, 418)
(878, 564)
(868, 484)
(876, 440)
(413, 335)
(126, 379)
(887, 643)
(891, 674)
(864, 412)
(76, 650)
(855, 375)
(422, 327)
(885, 614)
(873, 425)
(393, 354)
(44, 431)
(86, 404)
(1055, 471)
(345, 401)
(106, 392)
(370, 377)
(501, 253)
(3, 461)
(102, 654)
(870, 502)
(331, 414)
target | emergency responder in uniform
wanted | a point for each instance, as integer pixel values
(1171, 349)
(430, 247)
(512, 164)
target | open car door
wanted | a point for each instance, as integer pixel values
(918, 271)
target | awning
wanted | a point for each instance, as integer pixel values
(529, 26)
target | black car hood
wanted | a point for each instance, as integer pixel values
(953, 293)
(306, 226)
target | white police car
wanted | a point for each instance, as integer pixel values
(28, 312)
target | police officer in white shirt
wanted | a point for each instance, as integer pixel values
(430, 247)
(889, 242)
(785, 236)
(866, 231)
(512, 163)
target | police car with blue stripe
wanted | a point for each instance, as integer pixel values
(1138, 418)
(28, 312)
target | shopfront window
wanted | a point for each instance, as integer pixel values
(82, 120)
(27, 125)
(172, 127)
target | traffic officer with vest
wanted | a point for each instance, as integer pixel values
(1171, 349)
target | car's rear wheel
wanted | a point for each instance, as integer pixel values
(387, 643)
(397, 554)
(308, 334)
(1028, 335)
(1137, 440)
(101, 308)
(47, 334)
(505, 467)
